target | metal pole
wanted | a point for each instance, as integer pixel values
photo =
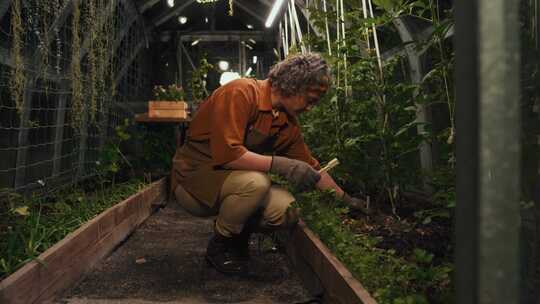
(499, 151)
(488, 151)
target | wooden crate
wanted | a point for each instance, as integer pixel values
(167, 109)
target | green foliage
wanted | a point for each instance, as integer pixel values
(29, 226)
(376, 141)
(169, 93)
(111, 159)
(159, 146)
(369, 121)
(197, 82)
(389, 278)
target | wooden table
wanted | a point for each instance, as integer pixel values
(179, 131)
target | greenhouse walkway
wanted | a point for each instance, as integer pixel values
(163, 262)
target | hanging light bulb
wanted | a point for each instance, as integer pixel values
(195, 42)
(182, 19)
(223, 65)
(170, 3)
(254, 59)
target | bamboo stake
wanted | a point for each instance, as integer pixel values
(286, 35)
(327, 30)
(375, 37)
(291, 24)
(364, 9)
(298, 30)
(344, 45)
(331, 164)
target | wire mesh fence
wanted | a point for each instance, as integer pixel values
(40, 143)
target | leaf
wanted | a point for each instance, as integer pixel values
(429, 75)
(388, 5)
(23, 210)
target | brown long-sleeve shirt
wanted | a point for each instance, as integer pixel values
(236, 118)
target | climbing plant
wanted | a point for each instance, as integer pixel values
(91, 24)
(369, 118)
(77, 106)
(197, 82)
(18, 79)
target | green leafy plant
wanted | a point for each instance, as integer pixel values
(389, 278)
(169, 93)
(40, 221)
(197, 82)
(111, 159)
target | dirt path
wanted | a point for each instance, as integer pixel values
(163, 262)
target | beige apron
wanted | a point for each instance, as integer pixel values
(192, 166)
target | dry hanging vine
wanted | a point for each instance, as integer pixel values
(17, 80)
(231, 11)
(76, 79)
(91, 26)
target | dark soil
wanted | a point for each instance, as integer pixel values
(404, 232)
(163, 261)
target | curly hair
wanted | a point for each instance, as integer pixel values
(296, 73)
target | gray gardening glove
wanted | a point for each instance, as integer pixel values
(297, 172)
(357, 204)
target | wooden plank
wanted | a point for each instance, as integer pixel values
(64, 263)
(339, 284)
(144, 118)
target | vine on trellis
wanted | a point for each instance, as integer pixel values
(77, 106)
(18, 79)
(91, 26)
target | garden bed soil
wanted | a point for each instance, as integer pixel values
(404, 232)
(163, 261)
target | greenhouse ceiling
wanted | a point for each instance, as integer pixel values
(205, 15)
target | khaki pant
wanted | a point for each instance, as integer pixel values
(245, 195)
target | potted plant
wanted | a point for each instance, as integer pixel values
(168, 103)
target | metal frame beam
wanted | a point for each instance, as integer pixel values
(488, 151)
(174, 12)
(417, 73)
(126, 64)
(223, 36)
(245, 7)
(147, 5)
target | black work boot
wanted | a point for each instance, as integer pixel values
(222, 255)
(241, 244)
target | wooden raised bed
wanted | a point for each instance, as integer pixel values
(322, 273)
(63, 264)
